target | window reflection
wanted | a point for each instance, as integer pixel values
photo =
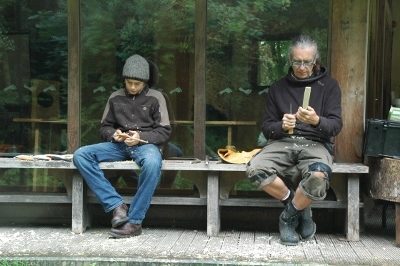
(161, 31)
(246, 42)
(246, 52)
(33, 85)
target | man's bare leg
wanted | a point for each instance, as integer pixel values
(277, 189)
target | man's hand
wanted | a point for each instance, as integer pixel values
(133, 138)
(307, 115)
(288, 122)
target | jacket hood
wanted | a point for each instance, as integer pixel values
(315, 76)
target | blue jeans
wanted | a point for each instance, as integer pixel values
(148, 157)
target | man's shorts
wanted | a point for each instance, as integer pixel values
(288, 158)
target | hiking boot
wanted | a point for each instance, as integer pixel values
(288, 222)
(307, 227)
(126, 230)
(119, 215)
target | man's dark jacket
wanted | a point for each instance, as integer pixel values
(287, 93)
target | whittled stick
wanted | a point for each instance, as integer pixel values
(290, 110)
(306, 97)
(127, 135)
(140, 140)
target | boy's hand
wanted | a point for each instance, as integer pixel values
(133, 138)
(119, 136)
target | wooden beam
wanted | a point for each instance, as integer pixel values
(349, 43)
(199, 137)
(74, 75)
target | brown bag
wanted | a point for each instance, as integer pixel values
(231, 155)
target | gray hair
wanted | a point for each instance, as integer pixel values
(304, 41)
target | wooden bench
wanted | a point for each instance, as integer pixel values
(213, 170)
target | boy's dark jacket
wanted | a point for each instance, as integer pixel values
(146, 113)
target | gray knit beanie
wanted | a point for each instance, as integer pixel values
(136, 67)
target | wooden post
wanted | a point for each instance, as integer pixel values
(79, 211)
(397, 224)
(353, 213)
(74, 75)
(213, 209)
(79, 206)
(348, 64)
(200, 80)
(349, 27)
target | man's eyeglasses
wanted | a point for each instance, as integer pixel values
(300, 63)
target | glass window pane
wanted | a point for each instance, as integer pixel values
(247, 45)
(33, 84)
(246, 52)
(162, 31)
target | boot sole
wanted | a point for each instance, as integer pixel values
(289, 243)
(310, 236)
(119, 222)
(115, 235)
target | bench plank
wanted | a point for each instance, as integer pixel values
(184, 165)
(272, 203)
(19, 197)
(164, 200)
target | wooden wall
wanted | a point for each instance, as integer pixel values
(379, 59)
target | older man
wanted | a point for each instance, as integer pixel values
(299, 139)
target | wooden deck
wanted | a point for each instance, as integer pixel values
(158, 246)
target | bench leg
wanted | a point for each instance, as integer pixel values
(213, 210)
(397, 206)
(79, 207)
(227, 181)
(200, 181)
(353, 208)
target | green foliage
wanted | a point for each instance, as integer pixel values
(6, 44)
(9, 177)
(48, 43)
(243, 37)
(23, 178)
(245, 185)
(182, 183)
(114, 30)
(273, 61)
(17, 263)
(246, 50)
(247, 43)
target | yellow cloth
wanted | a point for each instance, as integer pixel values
(231, 155)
